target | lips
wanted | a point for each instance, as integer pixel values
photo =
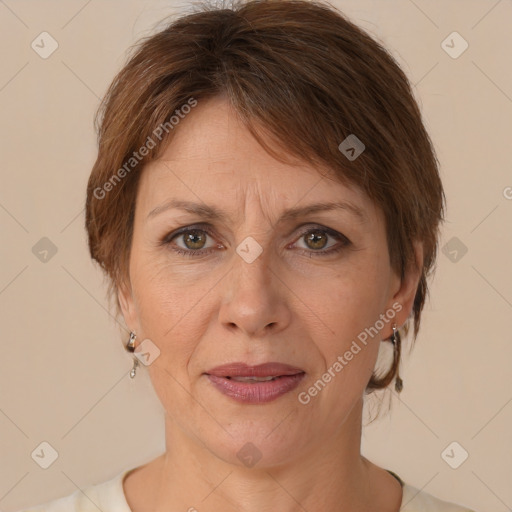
(255, 384)
(262, 370)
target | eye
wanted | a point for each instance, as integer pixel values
(316, 240)
(194, 241)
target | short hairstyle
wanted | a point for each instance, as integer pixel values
(297, 72)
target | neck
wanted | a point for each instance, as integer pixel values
(327, 472)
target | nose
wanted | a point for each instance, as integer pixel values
(255, 299)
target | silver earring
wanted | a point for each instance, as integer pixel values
(130, 347)
(396, 341)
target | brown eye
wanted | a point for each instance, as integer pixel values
(194, 239)
(316, 239)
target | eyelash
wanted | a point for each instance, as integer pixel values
(345, 242)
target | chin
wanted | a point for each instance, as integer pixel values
(260, 443)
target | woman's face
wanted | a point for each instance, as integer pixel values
(306, 290)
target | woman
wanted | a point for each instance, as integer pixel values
(266, 204)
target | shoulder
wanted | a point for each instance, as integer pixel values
(107, 495)
(415, 500)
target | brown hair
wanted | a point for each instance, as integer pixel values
(297, 71)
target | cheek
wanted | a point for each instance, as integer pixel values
(349, 306)
(173, 306)
(353, 298)
(170, 311)
(165, 293)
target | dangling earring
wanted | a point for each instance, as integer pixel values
(396, 341)
(130, 347)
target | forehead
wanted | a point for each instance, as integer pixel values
(213, 158)
(212, 128)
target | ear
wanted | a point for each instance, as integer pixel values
(405, 289)
(127, 303)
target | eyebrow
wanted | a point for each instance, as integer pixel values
(213, 213)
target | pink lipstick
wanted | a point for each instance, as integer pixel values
(255, 384)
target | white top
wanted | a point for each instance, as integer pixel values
(109, 497)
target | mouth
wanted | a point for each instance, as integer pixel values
(255, 384)
(265, 371)
(253, 379)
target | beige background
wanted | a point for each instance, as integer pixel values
(64, 374)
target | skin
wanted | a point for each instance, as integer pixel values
(289, 305)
